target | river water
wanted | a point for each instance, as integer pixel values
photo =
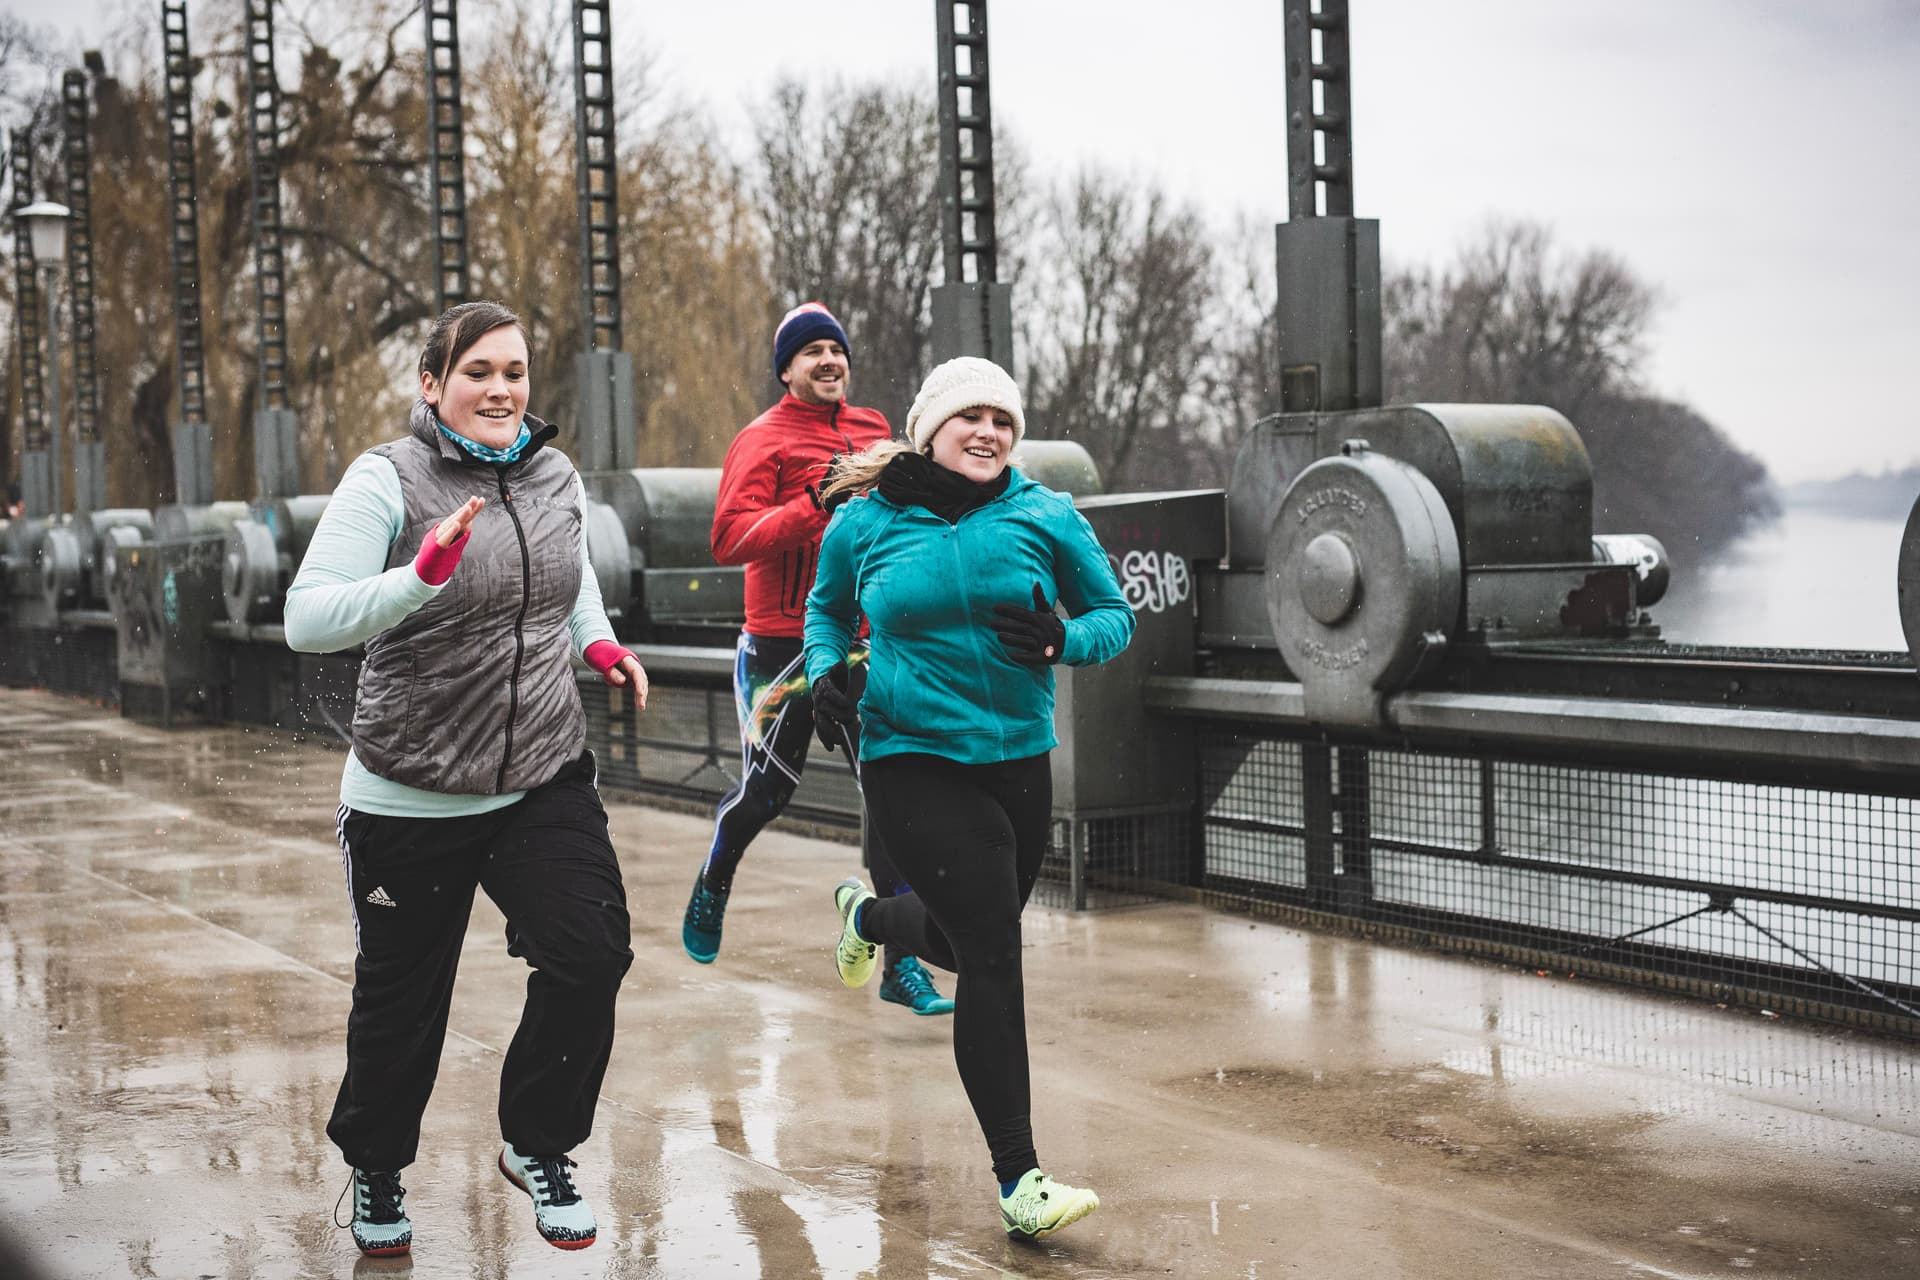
(1811, 579)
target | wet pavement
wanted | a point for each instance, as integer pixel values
(1250, 1100)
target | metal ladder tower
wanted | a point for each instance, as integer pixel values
(446, 153)
(36, 468)
(89, 458)
(604, 373)
(1328, 261)
(192, 435)
(276, 431)
(972, 310)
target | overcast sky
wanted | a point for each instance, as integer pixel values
(1757, 160)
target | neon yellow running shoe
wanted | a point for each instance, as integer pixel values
(1039, 1206)
(854, 956)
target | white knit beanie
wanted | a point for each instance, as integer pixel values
(962, 383)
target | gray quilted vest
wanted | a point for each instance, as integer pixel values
(473, 693)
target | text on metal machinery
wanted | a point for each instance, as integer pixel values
(1328, 658)
(1332, 497)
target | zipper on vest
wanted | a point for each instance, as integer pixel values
(519, 625)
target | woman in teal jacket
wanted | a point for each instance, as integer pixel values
(953, 557)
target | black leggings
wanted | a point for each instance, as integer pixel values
(969, 838)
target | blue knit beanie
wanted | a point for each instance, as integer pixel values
(808, 322)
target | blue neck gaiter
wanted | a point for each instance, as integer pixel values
(509, 454)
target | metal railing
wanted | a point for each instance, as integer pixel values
(1719, 878)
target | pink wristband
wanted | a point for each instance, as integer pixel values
(435, 563)
(604, 655)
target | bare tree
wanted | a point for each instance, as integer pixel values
(847, 187)
(1118, 329)
(1516, 320)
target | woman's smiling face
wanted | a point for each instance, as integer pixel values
(975, 442)
(484, 396)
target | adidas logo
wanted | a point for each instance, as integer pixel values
(379, 898)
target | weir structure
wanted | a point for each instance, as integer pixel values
(1391, 681)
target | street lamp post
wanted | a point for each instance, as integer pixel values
(46, 225)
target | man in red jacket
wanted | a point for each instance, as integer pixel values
(770, 519)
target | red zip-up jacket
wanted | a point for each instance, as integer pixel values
(766, 520)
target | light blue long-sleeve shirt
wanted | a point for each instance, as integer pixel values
(344, 595)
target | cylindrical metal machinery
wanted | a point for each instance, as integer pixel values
(1061, 465)
(198, 520)
(263, 552)
(648, 535)
(1414, 527)
(76, 557)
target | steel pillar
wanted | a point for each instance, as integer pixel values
(192, 435)
(36, 474)
(608, 440)
(972, 310)
(276, 461)
(89, 461)
(1328, 261)
(446, 152)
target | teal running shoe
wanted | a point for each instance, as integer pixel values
(559, 1214)
(854, 954)
(1039, 1206)
(907, 982)
(706, 912)
(379, 1224)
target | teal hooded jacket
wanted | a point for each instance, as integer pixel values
(938, 680)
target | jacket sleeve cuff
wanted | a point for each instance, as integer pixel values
(604, 655)
(435, 563)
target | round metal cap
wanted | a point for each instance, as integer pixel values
(61, 559)
(250, 573)
(1329, 578)
(1363, 567)
(120, 535)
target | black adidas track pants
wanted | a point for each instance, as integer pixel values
(547, 863)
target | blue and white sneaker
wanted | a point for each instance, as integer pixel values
(706, 913)
(379, 1224)
(559, 1214)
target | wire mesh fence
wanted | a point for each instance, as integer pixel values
(1788, 897)
(686, 748)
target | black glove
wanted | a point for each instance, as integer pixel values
(1034, 636)
(835, 717)
(835, 465)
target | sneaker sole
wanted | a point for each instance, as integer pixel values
(1067, 1219)
(917, 1010)
(501, 1162)
(385, 1250)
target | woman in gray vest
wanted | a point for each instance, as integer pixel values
(455, 556)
